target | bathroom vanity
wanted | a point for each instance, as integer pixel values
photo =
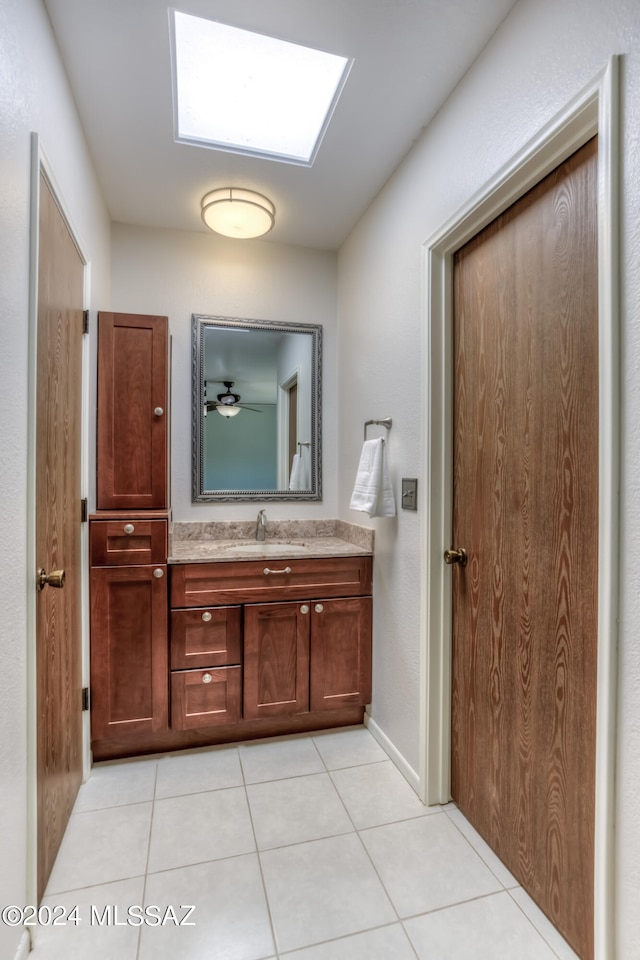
(279, 642)
(201, 633)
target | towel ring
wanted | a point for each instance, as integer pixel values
(303, 443)
(385, 422)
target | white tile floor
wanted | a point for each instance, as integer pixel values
(306, 848)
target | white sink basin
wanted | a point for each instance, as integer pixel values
(281, 547)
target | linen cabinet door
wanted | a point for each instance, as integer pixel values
(129, 651)
(340, 653)
(276, 659)
(132, 423)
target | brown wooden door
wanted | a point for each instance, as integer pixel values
(340, 653)
(58, 518)
(276, 659)
(129, 651)
(132, 423)
(525, 510)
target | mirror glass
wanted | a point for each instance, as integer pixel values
(256, 429)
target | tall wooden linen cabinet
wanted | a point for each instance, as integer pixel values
(129, 530)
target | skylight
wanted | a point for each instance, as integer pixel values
(247, 93)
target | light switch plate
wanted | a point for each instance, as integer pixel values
(409, 493)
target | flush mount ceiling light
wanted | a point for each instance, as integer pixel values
(247, 93)
(235, 212)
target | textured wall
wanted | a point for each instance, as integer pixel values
(543, 54)
(177, 273)
(33, 97)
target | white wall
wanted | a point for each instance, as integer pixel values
(175, 273)
(33, 97)
(542, 55)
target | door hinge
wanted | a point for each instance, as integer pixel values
(84, 510)
(85, 698)
(85, 321)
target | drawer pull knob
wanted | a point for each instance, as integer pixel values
(206, 678)
(319, 608)
(158, 411)
(267, 571)
(158, 573)
(304, 608)
(206, 616)
(129, 528)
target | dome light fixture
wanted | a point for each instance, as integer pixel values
(236, 212)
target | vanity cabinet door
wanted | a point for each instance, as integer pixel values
(132, 421)
(129, 651)
(340, 653)
(276, 659)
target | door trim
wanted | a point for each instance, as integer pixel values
(40, 163)
(593, 111)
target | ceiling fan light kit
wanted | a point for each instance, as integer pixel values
(227, 404)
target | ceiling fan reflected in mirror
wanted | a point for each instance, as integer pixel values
(227, 404)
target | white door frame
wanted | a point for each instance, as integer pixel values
(593, 111)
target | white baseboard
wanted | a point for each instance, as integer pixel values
(24, 947)
(394, 754)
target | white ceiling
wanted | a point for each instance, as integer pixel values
(409, 55)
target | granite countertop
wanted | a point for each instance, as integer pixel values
(285, 539)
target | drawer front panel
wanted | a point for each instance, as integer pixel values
(129, 542)
(204, 698)
(244, 581)
(206, 638)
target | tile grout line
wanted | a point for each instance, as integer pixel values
(146, 866)
(505, 889)
(363, 845)
(535, 927)
(259, 859)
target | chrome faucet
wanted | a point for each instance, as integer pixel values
(261, 525)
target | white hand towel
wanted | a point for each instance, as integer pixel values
(373, 493)
(296, 478)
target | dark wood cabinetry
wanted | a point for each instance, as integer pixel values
(258, 650)
(301, 657)
(276, 659)
(340, 668)
(132, 421)
(129, 661)
(206, 672)
(306, 642)
(129, 532)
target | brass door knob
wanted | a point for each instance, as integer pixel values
(456, 555)
(54, 579)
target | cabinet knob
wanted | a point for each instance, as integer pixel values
(319, 608)
(206, 616)
(129, 528)
(206, 678)
(158, 573)
(158, 411)
(304, 608)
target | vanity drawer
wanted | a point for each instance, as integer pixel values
(128, 541)
(253, 581)
(205, 698)
(206, 638)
